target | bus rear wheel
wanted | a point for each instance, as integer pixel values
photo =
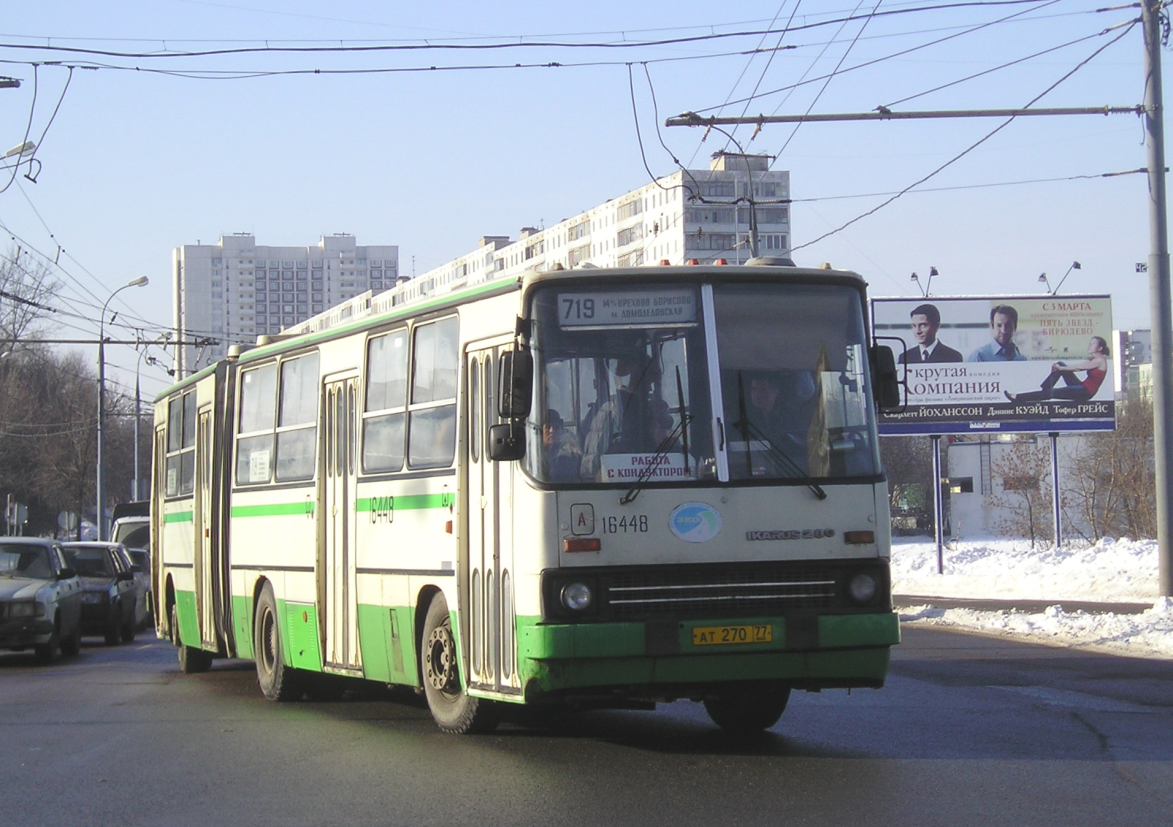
(746, 710)
(191, 659)
(453, 709)
(278, 682)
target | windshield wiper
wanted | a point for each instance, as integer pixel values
(661, 454)
(780, 457)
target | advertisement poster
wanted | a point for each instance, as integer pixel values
(1021, 364)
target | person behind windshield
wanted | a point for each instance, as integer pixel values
(779, 412)
(630, 421)
(563, 457)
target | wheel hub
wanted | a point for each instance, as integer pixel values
(439, 663)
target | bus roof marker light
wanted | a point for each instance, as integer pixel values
(572, 544)
(859, 538)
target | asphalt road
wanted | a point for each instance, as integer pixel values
(969, 730)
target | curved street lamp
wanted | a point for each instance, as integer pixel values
(100, 516)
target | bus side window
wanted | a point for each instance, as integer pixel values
(431, 434)
(258, 415)
(384, 417)
(297, 419)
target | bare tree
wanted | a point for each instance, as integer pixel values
(1023, 490)
(27, 290)
(1110, 488)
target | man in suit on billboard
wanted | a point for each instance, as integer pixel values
(926, 321)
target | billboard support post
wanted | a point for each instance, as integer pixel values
(1055, 493)
(938, 504)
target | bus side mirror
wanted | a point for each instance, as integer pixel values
(507, 441)
(885, 379)
(515, 384)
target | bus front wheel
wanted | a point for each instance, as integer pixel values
(453, 709)
(745, 710)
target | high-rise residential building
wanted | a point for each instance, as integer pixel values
(702, 215)
(235, 290)
(692, 214)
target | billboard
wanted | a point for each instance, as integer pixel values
(1021, 364)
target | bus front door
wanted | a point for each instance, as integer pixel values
(336, 562)
(491, 617)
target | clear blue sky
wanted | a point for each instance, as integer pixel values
(137, 162)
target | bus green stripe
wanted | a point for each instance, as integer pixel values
(274, 509)
(403, 502)
(179, 517)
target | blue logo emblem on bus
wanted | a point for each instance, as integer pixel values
(695, 522)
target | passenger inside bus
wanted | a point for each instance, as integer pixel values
(631, 420)
(563, 455)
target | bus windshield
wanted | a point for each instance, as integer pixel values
(625, 394)
(794, 382)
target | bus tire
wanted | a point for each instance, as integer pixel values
(191, 659)
(453, 709)
(749, 709)
(278, 682)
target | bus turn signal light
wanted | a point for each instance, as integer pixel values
(581, 544)
(859, 538)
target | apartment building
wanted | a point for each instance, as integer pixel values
(704, 215)
(235, 290)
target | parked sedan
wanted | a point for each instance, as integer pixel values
(40, 598)
(109, 601)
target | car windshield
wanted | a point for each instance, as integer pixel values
(90, 562)
(24, 561)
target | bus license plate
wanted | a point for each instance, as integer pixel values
(718, 635)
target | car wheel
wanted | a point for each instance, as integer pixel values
(453, 709)
(113, 634)
(191, 659)
(278, 682)
(747, 710)
(128, 626)
(47, 652)
(71, 645)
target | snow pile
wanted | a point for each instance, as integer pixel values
(1110, 571)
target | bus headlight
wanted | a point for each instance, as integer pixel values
(862, 587)
(576, 596)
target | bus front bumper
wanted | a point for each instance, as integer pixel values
(671, 659)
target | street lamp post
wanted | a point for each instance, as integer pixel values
(100, 516)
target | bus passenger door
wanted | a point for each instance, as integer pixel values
(205, 563)
(491, 617)
(336, 559)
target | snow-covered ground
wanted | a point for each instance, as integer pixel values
(1110, 571)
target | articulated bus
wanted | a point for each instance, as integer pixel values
(587, 488)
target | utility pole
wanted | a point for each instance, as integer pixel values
(1161, 299)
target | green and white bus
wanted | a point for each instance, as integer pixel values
(586, 488)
